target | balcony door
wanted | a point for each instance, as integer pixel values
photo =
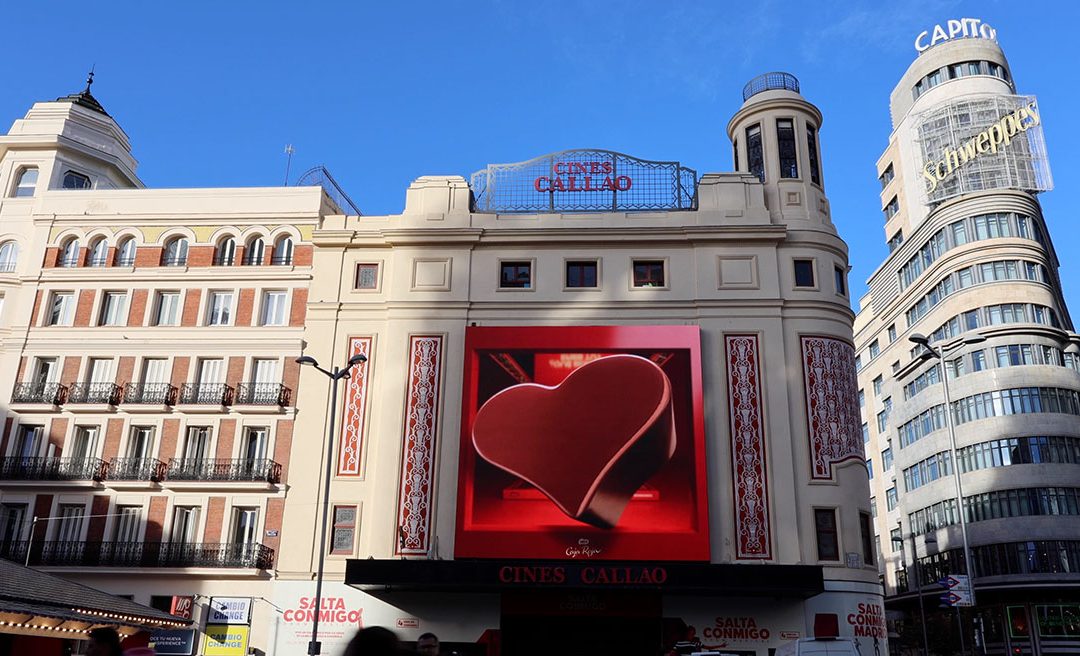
(185, 527)
(128, 526)
(255, 440)
(245, 526)
(197, 444)
(45, 372)
(28, 442)
(141, 444)
(211, 375)
(155, 371)
(84, 444)
(266, 372)
(69, 523)
(101, 372)
(12, 517)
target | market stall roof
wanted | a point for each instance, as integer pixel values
(36, 603)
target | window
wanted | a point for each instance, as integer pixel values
(127, 527)
(125, 253)
(887, 176)
(515, 275)
(755, 158)
(84, 444)
(220, 310)
(870, 468)
(896, 240)
(255, 440)
(367, 276)
(896, 540)
(113, 309)
(245, 529)
(875, 350)
(197, 444)
(73, 180)
(12, 518)
(858, 363)
(99, 253)
(892, 333)
(141, 442)
(886, 459)
(581, 273)
(69, 523)
(28, 442)
(27, 183)
(866, 532)
(841, 281)
(176, 251)
(892, 208)
(862, 399)
(828, 546)
(896, 366)
(873, 506)
(69, 253)
(185, 526)
(785, 141)
(225, 253)
(812, 152)
(804, 273)
(877, 385)
(735, 153)
(344, 530)
(283, 251)
(865, 433)
(253, 253)
(882, 421)
(890, 498)
(9, 255)
(649, 273)
(167, 309)
(273, 308)
(61, 309)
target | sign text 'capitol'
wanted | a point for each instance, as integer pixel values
(958, 28)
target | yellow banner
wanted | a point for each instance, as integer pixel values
(224, 640)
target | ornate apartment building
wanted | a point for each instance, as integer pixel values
(972, 268)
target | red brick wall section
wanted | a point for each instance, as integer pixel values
(125, 370)
(283, 446)
(95, 532)
(42, 508)
(110, 255)
(113, 431)
(236, 371)
(180, 371)
(36, 316)
(299, 307)
(57, 430)
(138, 307)
(244, 307)
(239, 256)
(4, 436)
(70, 374)
(52, 254)
(148, 256)
(275, 508)
(200, 256)
(85, 309)
(215, 514)
(191, 307)
(302, 255)
(170, 433)
(291, 378)
(21, 375)
(155, 519)
(226, 438)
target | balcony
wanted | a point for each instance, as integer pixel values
(262, 394)
(148, 397)
(52, 469)
(49, 394)
(140, 554)
(136, 469)
(209, 469)
(281, 260)
(210, 394)
(93, 394)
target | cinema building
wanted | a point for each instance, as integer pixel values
(972, 268)
(608, 405)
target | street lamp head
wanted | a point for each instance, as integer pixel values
(918, 338)
(308, 360)
(359, 358)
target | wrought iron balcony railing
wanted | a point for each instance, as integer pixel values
(224, 260)
(281, 260)
(136, 469)
(149, 393)
(211, 469)
(140, 554)
(174, 260)
(125, 260)
(101, 261)
(108, 393)
(38, 393)
(262, 394)
(205, 394)
(7, 267)
(52, 469)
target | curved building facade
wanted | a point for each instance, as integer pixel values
(973, 269)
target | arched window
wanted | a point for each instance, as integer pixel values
(9, 255)
(27, 183)
(73, 180)
(226, 252)
(99, 253)
(175, 252)
(125, 252)
(69, 253)
(283, 251)
(253, 253)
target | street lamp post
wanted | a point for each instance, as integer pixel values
(918, 580)
(314, 647)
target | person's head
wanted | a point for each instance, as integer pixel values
(104, 642)
(373, 641)
(427, 645)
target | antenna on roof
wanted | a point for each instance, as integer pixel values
(289, 150)
(90, 78)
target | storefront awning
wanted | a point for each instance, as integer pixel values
(387, 576)
(36, 603)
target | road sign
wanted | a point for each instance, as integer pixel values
(959, 590)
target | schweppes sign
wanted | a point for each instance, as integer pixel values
(998, 135)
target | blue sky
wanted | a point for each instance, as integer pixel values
(383, 92)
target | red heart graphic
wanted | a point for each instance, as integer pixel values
(588, 443)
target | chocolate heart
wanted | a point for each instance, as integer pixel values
(589, 442)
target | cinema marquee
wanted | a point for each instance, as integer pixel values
(584, 181)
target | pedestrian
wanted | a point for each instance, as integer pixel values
(428, 645)
(104, 642)
(373, 641)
